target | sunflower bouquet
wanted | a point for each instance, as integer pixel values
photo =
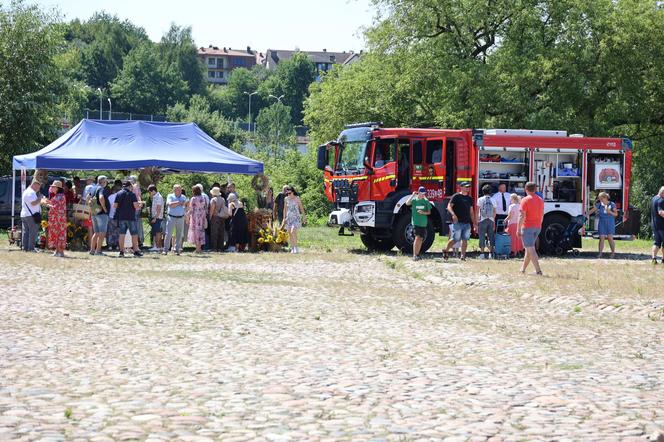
(77, 236)
(272, 239)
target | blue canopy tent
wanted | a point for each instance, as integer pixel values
(125, 145)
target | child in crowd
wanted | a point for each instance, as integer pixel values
(512, 222)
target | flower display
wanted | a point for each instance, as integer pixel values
(272, 239)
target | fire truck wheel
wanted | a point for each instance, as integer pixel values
(376, 244)
(551, 235)
(404, 235)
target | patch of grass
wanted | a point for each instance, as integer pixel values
(577, 309)
(68, 413)
(639, 355)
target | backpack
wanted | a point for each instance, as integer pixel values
(486, 208)
(93, 201)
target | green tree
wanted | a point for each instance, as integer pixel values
(32, 84)
(104, 40)
(291, 79)
(231, 99)
(145, 85)
(274, 129)
(178, 52)
(211, 122)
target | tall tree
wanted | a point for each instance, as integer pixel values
(178, 52)
(31, 82)
(145, 85)
(292, 79)
(231, 99)
(104, 40)
(275, 130)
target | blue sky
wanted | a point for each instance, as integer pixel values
(280, 24)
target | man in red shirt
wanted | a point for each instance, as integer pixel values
(530, 223)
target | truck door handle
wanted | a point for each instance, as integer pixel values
(557, 206)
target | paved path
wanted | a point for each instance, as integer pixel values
(324, 347)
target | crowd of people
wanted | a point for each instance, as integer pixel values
(521, 218)
(218, 222)
(214, 222)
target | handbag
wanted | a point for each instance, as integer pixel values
(37, 218)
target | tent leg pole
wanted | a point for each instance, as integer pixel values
(13, 197)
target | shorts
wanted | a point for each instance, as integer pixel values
(100, 223)
(125, 225)
(529, 236)
(658, 236)
(461, 231)
(156, 227)
(420, 231)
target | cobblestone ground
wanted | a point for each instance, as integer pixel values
(328, 346)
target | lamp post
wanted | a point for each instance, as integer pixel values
(250, 95)
(101, 117)
(110, 109)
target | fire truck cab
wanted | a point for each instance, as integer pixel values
(370, 171)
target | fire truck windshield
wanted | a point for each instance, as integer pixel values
(351, 157)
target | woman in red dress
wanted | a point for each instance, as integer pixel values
(57, 219)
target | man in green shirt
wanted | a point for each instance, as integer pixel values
(420, 210)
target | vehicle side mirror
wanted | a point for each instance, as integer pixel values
(322, 157)
(328, 169)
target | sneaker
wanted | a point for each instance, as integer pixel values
(177, 253)
(138, 254)
(153, 249)
(654, 261)
(121, 255)
(164, 253)
(446, 255)
(417, 258)
(92, 252)
(463, 258)
(100, 253)
(482, 256)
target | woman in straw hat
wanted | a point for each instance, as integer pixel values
(57, 219)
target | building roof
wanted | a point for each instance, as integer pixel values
(274, 56)
(214, 50)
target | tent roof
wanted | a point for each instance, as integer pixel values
(120, 145)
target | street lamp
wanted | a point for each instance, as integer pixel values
(110, 109)
(250, 95)
(101, 117)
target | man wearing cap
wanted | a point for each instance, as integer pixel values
(461, 210)
(420, 211)
(30, 205)
(100, 220)
(126, 205)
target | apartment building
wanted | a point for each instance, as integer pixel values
(220, 62)
(323, 60)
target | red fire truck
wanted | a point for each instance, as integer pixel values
(370, 171)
